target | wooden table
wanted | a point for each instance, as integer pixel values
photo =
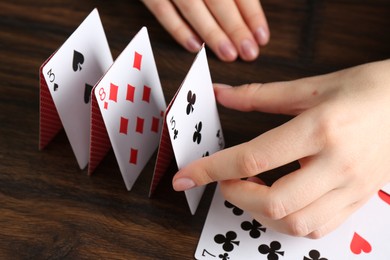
(51, 209)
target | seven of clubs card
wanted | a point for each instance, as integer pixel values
(132, 104)
(230, 233)
(71, 73)
(193, 121)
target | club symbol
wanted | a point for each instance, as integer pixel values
(197, 137)
(175, 133)
(55, 87)
(224, 256)
(254, 228)
(272, 251)
(236, 210)
(78, 60)
(314, 255)
(227, 240)
(191, 98)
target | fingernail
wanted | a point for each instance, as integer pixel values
(182, 184)
(262, 36)
(219, 85)
(228, 51)
(249, 49)
(193, 44)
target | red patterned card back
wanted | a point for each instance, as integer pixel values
(49, 120)
(100, 142)
(164, 158)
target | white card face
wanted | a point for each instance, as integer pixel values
(70, 75)
(193, 121)
(132, 104)
(387, 188)
(371, 229)
(230, 233)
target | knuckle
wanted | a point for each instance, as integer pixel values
(248, 164)
(178, 31)
(207, 176)
(210, 2)
(213, 35)
(297, 226)
(160, 8)
(326, 129)
(252, 90)
(317, 234)
(225, 191)
(274, 209)
(239, 31)
(349, 172)
(185, 6)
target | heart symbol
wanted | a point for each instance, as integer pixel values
(359, 245)
(384, 196)
(55, 86)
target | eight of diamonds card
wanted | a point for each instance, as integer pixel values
(132, 106)
(69, 75)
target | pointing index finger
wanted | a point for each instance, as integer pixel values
(291, 141)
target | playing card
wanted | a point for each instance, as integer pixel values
(70, 75)
(371, 229)
(193, 121)
(230, 233)
(132, 106)
(387, 188)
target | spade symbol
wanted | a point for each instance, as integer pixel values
(87, 93)
(55, 87)
(78, 60)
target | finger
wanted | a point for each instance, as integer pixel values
(314, 220)
(167, 15)
(319, 214)
(206, 26)
(337, 220)
(254, 17)
(288, 97)
(290, 195)
(284, 144)
(229, 18)
(297, 192)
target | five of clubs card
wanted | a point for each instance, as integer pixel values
(132, 114)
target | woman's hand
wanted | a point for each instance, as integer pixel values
(340, 135)
(230, 28)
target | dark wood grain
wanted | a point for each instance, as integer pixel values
(50, 209)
